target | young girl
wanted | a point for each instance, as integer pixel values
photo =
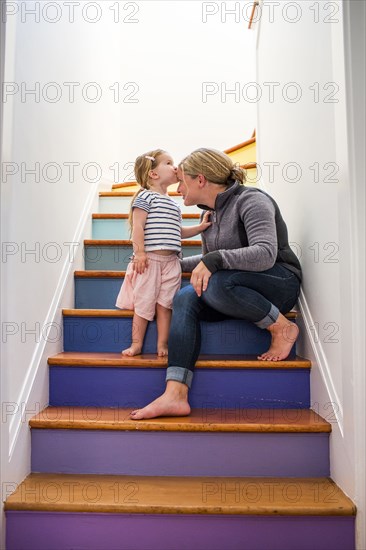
(154, 274)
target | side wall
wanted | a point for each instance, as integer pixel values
(306, 127)
(57, 113)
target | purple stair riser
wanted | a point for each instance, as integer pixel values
(180, 454)
(99, 293)
(84, 531)
(113, 334)
(212, 388)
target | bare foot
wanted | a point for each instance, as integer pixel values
(162, 350)
(173, 402)
(284, 335)
(134, 349)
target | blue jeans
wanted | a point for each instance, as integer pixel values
(257, 297)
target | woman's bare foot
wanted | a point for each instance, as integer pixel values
(173, 402)
(284, 335)
(134, 349)
(162, 350)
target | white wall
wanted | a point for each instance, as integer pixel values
(303, 51)
(35, 286)
(176, 52)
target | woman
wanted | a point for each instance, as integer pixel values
(247, 270)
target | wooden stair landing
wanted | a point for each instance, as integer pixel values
(181, 495)
(200, 420)
(89, 359)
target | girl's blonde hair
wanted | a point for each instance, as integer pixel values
(216, 166)
(143, 164)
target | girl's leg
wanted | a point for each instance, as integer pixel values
(163, 318)
(139, 326)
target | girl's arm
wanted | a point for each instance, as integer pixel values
(194, 230)
(140, 259)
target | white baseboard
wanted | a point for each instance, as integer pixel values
(320, 360)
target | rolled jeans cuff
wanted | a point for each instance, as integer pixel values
(270, 318)
(179, 374)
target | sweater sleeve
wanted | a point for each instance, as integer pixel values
(257, 213)
(188, 264)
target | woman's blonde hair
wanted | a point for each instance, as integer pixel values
(143, 164)
(216, 166)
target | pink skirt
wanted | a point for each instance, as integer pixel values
(157, 285)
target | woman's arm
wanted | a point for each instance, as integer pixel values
(256, 219)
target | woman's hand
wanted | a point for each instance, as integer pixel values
(200, 277)
(140, 262)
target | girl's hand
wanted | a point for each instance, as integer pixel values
(205, 223)
(200, 277)
(140, 262)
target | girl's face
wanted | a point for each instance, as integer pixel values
(189, 188)
(166, 170)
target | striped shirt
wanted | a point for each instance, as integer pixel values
(163, 223)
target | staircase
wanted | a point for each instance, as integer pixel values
(248, 469)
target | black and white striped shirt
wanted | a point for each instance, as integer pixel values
(163, 223)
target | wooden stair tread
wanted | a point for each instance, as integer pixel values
(109, 274)
(124, 184)
(117, 242)
(131, 194)
(121, 313)
(181, 495)
(116, 216)
(200, 420)
(88, 359)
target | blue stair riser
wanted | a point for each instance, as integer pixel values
(212, 389)
(121, 205)
(99, 293)
(88, 531)
(180, 454)
(120, 229)
(113, 334)
(116, 258)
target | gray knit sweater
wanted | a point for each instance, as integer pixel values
(247, 233)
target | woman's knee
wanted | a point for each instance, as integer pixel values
(185, 299)
(217, 289)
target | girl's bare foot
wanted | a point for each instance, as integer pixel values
(134, 349)
(173, 402)
(284, 335)
(162, 350)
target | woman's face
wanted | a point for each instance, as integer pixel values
(189, 188)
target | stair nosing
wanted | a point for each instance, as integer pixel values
(125, 242)
(95, 274)
(93, 312)
(119, 216)
(89, 359)
(131, 194)
(200, 420)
